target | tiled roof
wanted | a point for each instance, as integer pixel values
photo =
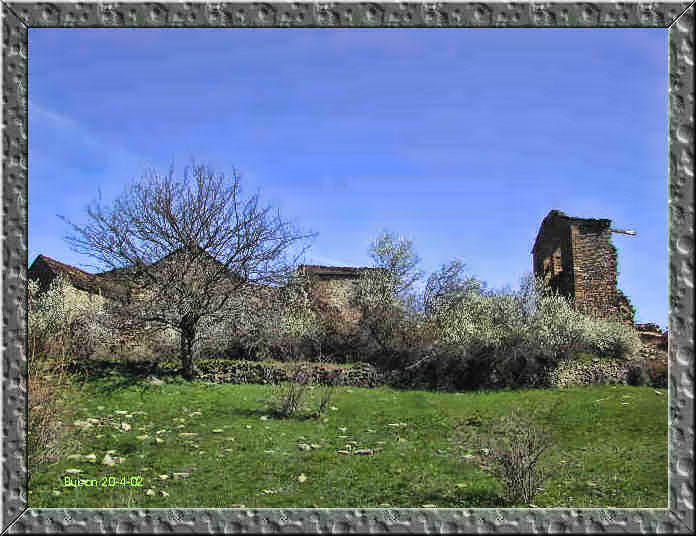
(110, 283)
(80, 279)
(64, 268)
(107, 282)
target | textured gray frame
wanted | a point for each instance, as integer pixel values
(677, 17)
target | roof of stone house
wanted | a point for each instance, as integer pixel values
(558, 214)
(105, 282)
(80, 279)
(314, 269)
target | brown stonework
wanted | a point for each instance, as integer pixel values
(576, 257)
(332, 290)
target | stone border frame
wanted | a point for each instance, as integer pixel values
(678, 18)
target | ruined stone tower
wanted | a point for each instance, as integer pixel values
(576, 257)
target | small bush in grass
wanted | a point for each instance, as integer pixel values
(326, 394)
(515, 446)
(289, 397)
(327, 391)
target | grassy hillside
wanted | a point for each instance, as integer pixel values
(205, 445)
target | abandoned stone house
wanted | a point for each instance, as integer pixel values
(331, 286)
(576, 257)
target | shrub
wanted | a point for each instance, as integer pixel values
(506, 338)
(62, 320)
(651, 372)
(612, 339)
(391, 334)
(290, 396)
(516, 337)
(43, 421)
(637, 374)
(47, 438)
(262, 323)
(327, 390)
(514, 446)
(657, 372)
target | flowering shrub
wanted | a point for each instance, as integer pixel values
(516, 337)
(261, 323)
(65, 320)
(390, 333)
(613, 339)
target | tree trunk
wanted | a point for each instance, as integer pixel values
(188, 333)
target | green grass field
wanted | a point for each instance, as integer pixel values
(207, 445)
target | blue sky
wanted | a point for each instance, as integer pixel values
(459, 139)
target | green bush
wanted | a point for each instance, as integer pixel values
(658, 372)
(516, 337)
(651, 372)
(637, 374)
(514, 448)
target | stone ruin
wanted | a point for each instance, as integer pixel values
(576, 257)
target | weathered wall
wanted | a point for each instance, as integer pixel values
(594, 263)
(334, 295)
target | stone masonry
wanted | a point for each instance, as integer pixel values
(576, 257)
(332, 289)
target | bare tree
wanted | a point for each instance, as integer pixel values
(181, 249)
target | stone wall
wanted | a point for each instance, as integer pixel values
(595, 268)
(333, 295)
